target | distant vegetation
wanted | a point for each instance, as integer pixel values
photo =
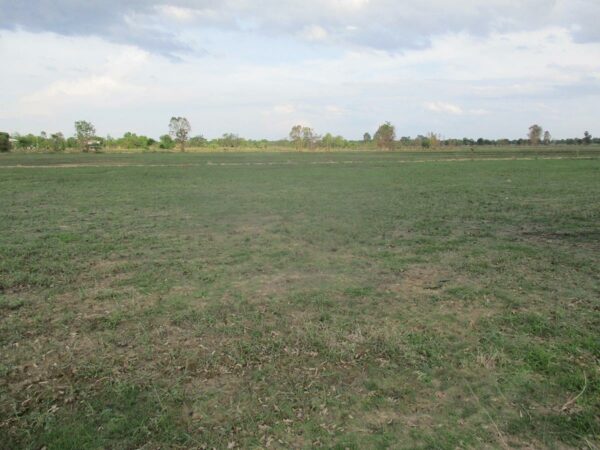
(300, 138)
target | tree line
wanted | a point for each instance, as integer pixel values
(300, 138)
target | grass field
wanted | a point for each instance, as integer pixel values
(364, 300)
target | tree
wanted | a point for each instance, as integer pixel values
(71, 142)
(535, 134)
(179, 129)
(367, 138)
(303, 136)
(587, 138)
(231, 140)
(547, 138)
(57, 142)
(197, 141)
(433, 138)
(132, 140)
(329, 141)
(296, 135)
(385, 136)
(309, 138)
(4, 142)
(110, 141)
(166, 142)
(84, 132)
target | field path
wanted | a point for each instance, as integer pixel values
(291, 163)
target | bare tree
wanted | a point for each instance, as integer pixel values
(179, 129)
(535, 134)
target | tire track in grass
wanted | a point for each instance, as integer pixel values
(292, 163)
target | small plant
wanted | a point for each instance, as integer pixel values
(11, 304)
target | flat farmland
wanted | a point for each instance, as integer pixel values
(350, 300)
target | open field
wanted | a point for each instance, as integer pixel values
(410, 151)
(281, 300)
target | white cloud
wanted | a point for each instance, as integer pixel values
(108, 84)
(441, 107)
(177, 12)
(259, 86)
(315, 33)
(284, 109)
(380, 24)
(333, 109)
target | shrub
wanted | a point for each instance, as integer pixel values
(4, 142)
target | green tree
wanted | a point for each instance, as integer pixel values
(27, 141)
(197, 141)
(328, 141)
(385, 136)
(547, 138)
(340, 142)
(57, 142)
(179, 129)
(367, 138)
(434, 139)
(132, 140)
(309, 138)
(535, 134)
(84, 131)
(587, 138)
(166, 142)
(4, 142)
(296, 135)
(231, 140)
(71, 142)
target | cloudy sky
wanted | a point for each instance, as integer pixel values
(474, 68)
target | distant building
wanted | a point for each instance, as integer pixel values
(94, 144)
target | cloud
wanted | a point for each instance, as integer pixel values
(161, 26)
(129, 22)
(446, 108)
(284, 109)
(258, 83)
(315, 33)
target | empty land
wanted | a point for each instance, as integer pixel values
(360, 300)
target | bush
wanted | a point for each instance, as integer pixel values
(4, 142)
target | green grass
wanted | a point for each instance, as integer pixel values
(300, 300)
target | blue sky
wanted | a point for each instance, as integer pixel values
(463, 68)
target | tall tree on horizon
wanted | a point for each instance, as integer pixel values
(535, 134)
(84, 132)
(296, 135)
(179, 129)
(385, 136)
(547, 138)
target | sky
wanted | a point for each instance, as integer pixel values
(475, 68)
